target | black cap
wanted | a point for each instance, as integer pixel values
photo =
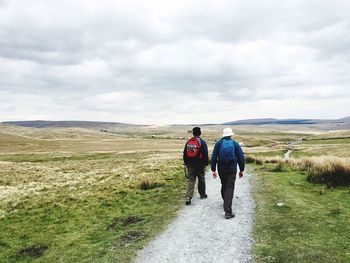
(196, 131)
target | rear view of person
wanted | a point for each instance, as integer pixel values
(195, 156)
(227, 153)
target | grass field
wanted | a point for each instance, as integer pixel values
(296, 220)
(77, 195)
(83, 196)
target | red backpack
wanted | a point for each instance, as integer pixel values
(193, 148)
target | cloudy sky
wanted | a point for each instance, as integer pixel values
(161, 62)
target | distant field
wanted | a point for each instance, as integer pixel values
(28, 140)
(328, 141)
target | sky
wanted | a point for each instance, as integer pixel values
(167, 62)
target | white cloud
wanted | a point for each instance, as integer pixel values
(181, 61)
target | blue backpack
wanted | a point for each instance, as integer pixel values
(227, 153)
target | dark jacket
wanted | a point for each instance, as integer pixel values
(215, 158)
(197, 161)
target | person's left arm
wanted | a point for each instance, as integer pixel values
(205, 154)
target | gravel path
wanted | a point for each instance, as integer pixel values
(200, 233)
(287, 154)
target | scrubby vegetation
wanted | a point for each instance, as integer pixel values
(332, 171)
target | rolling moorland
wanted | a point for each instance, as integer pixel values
(101, 192)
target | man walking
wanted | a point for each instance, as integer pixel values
(227, 153)
(195, 156)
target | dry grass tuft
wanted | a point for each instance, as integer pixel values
(278, 167)
(147, 184)
(32, 251)
(331, 170)
(250, 159)
(274, 159)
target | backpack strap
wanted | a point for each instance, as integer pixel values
(200, 147)
(199, 142)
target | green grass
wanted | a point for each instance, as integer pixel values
(90, 219)
(299, 153)
(328, 141)
(270, 153)
(63, 200)
(312, 225)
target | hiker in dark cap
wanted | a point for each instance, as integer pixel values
(195, 156)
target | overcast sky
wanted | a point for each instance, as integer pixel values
(161, 62)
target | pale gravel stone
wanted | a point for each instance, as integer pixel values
(200, 233)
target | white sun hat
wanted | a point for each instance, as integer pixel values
(227, 132)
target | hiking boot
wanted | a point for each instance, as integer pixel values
(229, 215)
(204, 196)
(188, 202)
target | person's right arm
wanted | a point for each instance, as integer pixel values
(214, 158)
(184, 155)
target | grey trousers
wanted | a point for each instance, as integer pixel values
(195, 171)
(228, 179)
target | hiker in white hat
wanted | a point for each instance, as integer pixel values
(227, 132)
(227, 154)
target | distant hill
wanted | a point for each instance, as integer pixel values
(65, 124)
(111, 125)
(345, 120)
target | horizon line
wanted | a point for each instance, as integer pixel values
(172, 124)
